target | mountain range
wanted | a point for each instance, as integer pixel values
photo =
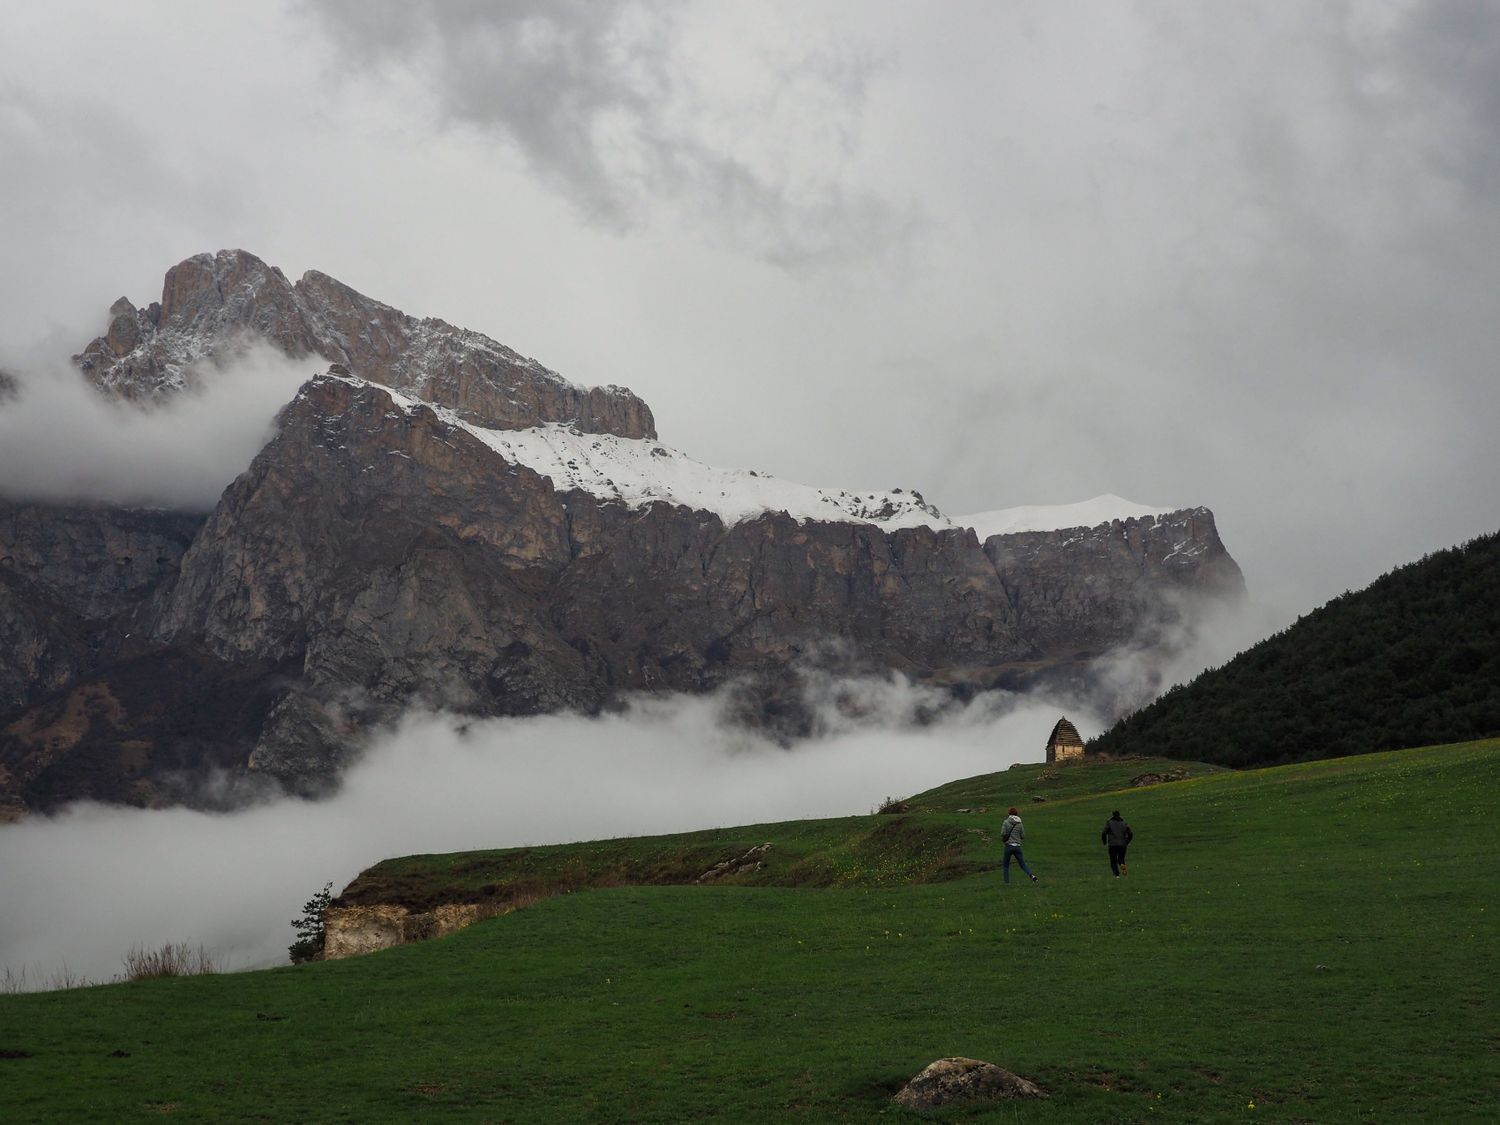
(440, 521)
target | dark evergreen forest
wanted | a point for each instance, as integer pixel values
(1412, 660)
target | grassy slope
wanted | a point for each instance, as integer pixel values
(855, 851)
(1316, 939)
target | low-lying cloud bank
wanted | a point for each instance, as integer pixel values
(85, 886)
(62, 441)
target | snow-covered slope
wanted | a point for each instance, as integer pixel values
(641, 471)
(1054, 517)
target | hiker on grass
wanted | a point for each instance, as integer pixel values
(1012, 832)
(1117, 836)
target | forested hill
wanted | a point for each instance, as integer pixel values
(1412, 660)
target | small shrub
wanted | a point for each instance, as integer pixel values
(892, 805)
(175, 959)
(310, 928)
(12, 983)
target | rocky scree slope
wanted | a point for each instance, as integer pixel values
(392, 545)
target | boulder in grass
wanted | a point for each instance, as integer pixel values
(963, 1082)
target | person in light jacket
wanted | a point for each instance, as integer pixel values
(1116, 836)
(1012, 833)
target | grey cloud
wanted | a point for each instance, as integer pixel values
(1449, 54)
(86, 188)
(602, 103)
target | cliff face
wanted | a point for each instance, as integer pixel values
(1104, 584)
(386, 548)
(426, 566)
(75, 584)
(70, 578)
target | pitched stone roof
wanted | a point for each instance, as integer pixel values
(1064, 734)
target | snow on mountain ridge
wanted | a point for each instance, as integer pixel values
(1054, 517)
(640, 471)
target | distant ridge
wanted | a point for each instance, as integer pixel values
(1411, 660)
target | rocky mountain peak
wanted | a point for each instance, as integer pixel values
(208, 293)
(213, 304)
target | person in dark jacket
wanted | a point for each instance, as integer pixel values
(1116, 836)
(1012, 832)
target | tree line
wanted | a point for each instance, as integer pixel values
(1411, 660)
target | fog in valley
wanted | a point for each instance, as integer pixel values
(85, 886)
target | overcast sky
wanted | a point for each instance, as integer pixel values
(1244, 256)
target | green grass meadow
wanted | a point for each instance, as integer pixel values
(1308, 943)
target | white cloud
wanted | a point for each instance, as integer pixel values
(62, 441)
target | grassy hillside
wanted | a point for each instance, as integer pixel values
(868, 851)
(1411, 660)
(856, 851)
(1310, 943)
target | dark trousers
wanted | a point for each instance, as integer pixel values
(1116, 857)
(1013, 852)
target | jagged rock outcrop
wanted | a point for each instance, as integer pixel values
(354, 931)
(1112, 584)
(386, 548)
(211, 303)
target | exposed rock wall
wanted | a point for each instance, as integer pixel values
(1103, 583)
(426, 567)
(352, 931)
(70, 576)
(158, 727)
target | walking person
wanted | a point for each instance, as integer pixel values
(1012, 833)
(1116, 836)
